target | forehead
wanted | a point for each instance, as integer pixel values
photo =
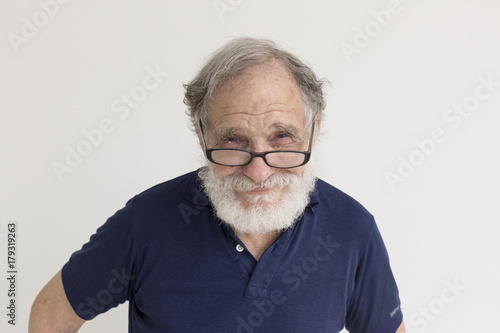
(260, 97)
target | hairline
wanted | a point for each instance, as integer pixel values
(236, 57)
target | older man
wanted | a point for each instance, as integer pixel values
(251, 242)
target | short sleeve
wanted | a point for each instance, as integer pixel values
(374, 305)
(100, 276)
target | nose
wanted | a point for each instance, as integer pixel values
(258, 170)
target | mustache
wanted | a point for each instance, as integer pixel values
(243, 183)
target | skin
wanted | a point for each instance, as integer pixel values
(51, 311)
(253, 105)
(401, 328)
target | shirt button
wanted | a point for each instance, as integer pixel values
(239, 248)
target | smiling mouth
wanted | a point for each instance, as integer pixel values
(261, 190)
(256, 191)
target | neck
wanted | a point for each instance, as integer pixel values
(257, 243)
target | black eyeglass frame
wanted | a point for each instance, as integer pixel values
(307, 154)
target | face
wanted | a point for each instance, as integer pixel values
(260, 110)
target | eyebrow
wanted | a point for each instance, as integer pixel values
(286, 128)
(290, 129)
(226, 132)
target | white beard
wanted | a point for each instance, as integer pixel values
(269, 212)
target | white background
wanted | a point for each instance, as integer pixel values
(441, 224)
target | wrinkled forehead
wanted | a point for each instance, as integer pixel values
(262, 95)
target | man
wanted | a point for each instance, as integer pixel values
(251, 242)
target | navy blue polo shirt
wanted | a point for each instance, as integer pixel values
(182, 270)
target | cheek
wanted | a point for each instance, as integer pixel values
(296, 171)
(223, 171)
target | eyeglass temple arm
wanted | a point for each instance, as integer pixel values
(203, 135)
(312, 134)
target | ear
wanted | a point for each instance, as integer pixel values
(317, 128)
(318, 123)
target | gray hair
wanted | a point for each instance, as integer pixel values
(232, 59)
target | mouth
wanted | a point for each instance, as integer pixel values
(259, 190)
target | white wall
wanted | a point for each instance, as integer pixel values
(440, 221)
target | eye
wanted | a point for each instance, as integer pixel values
(282, 140)
(282, 136)
(232, 141)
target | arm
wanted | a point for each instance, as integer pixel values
(51, 311)
(401, 328)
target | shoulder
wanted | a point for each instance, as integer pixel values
(161, 213)
(164, 202)
(171, 192)
(342, 213)
(336, 201)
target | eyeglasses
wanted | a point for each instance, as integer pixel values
(281, 159)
